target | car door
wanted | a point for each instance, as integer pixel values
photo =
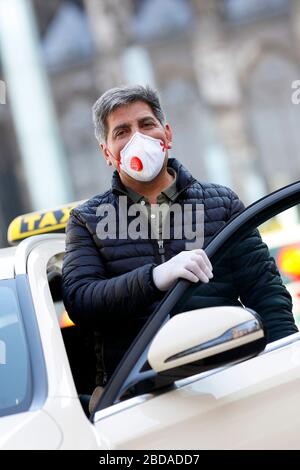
(52, 415)
(246, 405)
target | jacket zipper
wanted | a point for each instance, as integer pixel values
(161, 250)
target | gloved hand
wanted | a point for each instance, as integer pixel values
(192, 265)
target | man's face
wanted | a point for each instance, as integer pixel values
(124, 122)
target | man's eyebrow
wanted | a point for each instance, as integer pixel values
(145, 118)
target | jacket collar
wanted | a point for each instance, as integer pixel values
(184, 178)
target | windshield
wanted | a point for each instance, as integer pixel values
(15, 376)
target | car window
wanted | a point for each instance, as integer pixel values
(256, 271)
(15, 375)
(54, 275)
(282, 235)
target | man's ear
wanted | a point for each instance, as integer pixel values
(169, 133)
(105, 153)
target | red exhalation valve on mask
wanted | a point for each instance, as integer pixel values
(136, 164)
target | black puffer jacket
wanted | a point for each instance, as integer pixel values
(107, 284)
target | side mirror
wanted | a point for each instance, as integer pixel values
(204, 339)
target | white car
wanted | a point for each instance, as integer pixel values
(203, 379)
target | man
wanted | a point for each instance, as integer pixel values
(113, 282)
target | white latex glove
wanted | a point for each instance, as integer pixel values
(192, 265)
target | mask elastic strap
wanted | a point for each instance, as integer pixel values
(118, 160)
(164, 146)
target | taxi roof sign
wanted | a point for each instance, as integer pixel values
(40, 222)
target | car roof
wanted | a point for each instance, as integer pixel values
(7, 263)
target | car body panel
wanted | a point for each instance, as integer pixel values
(60, 424)
(239, 407)
(30, 430)
(77, 431)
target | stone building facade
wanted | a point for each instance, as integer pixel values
(224, 70)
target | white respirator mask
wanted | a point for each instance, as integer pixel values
(143, 157)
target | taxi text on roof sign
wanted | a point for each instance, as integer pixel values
(37, 223)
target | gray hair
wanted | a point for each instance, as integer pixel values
(122, 96)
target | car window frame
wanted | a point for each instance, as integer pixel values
(37, 385)
(34, 342)
(128, 371)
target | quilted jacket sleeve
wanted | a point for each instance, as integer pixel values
(89, 295)
(258, 282)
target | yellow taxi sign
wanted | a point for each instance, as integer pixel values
(37, 223)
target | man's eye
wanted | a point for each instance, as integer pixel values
(148, 124)
(120, 133)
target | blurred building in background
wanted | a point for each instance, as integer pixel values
(223, 68)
